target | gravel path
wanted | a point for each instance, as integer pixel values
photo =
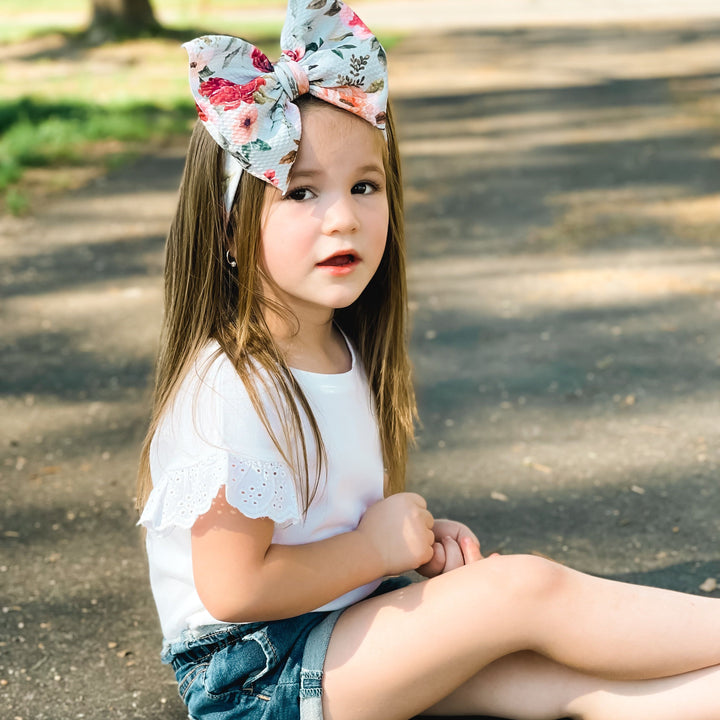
(563, 195)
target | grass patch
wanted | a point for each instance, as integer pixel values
(38, 133)
(17, 202)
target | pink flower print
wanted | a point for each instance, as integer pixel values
(245, 124)
(350, 20)
(223, 92)
(294, 55)
(270, 175)
(261, 62)
(352, 99)
(201, 113)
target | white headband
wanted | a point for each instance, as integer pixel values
(233, 171)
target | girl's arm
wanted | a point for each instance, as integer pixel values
(241, 576)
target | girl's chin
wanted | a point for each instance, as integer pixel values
(334, 296)
(317, 307)
(339, 302)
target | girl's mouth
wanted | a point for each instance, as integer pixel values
(338, 260)
(340, 264)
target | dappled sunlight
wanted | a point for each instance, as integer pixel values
(567, 286)
(603, 281)
(92, 306)
(70, 420)
(488, 137)
(158, 206)
(584, 214)
(563, 124)
(687, 211)
(148, 217)
(559, 57)
(145, 68)
(562, 112)
(539, 462)
(612, 285)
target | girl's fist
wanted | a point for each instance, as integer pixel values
(398, 530)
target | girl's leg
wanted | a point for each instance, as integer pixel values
(526, 686)
(397, 655)
(522, 686)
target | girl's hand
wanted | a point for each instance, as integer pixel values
(399, 530)
(455, 545)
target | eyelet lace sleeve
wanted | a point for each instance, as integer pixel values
(256, 488)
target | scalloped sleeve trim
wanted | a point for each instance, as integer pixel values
(256, 488)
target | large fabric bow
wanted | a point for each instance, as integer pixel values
(245, 101)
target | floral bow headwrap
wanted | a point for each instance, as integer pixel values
(246, 102)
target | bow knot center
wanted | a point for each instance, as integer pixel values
(292, 77)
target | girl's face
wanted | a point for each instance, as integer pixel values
(323, 241)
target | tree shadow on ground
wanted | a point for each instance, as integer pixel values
(635, 38)
(79, 266)
(604, 191)
(581, 157)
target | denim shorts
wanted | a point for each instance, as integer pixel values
(257, 671)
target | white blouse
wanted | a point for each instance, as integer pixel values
(211, 437)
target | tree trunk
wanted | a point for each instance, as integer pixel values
(114, 18)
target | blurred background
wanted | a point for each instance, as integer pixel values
(563, 206)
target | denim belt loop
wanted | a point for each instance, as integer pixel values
(311, 673)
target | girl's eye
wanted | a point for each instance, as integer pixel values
(300, 194)
(364, 188)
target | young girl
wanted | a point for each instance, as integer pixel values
(272, 478)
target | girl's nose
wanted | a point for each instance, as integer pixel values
(340, 216)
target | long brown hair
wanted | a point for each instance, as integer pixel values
(206, 299)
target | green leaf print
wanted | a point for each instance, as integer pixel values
(260, 144)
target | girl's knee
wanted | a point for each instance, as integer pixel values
(506, 598)
(524, 579)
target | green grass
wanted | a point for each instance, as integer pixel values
(39, 133)
(17, 202)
